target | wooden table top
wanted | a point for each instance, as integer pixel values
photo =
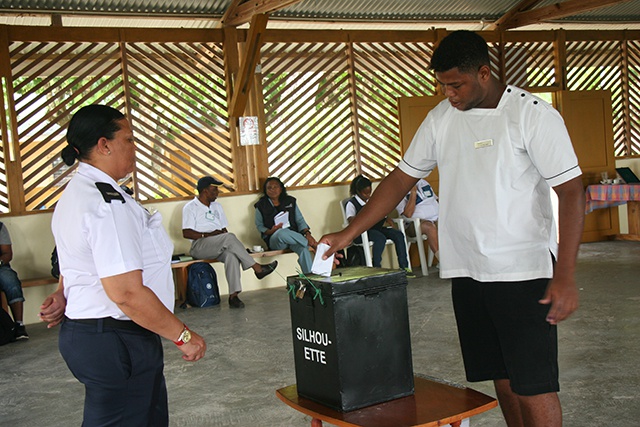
(433, 404)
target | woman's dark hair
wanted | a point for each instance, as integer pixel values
(283, 194)
(87, 126)
(463, 49)
(358, 184)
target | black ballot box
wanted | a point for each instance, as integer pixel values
(351, 338)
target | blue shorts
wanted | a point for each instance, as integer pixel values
(504, 334)
(10, 284)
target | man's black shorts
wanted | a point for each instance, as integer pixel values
(504, 334)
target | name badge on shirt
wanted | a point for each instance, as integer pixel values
(484, 143)
(212, 216)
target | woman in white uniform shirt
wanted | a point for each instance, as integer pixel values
(115, 280)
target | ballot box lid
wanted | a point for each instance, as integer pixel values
(352, 279)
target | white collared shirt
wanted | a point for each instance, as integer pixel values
(350, 209)
(497, 167)
(96, 239)
(203, 219)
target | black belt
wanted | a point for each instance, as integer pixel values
(110, 322)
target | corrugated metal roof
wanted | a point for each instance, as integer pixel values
(404, 10)
(359, 12)
(210, 8)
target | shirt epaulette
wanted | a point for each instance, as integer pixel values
(109, 193)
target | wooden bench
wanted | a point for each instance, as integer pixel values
(29, 284)
(181, 269)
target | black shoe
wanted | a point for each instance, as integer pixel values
(267, 269)
(234, 302)
(21, 333)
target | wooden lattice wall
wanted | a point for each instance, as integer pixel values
(326, 100)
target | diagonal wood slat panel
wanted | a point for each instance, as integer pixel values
(385, 71)
(329, 105)
(530, 64)
(307, 110)
(593, 65)
(51, 80)
(4, 193)
(632, 145)
(495, 50)
(178, 108)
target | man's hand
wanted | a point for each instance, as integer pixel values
(562, 294)
(336, 241)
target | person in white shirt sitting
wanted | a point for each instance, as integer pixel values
(205, 224)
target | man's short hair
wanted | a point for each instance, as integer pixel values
(461, 49)
(206, 181)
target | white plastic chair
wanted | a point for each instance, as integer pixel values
(419, 240)
(366, 244)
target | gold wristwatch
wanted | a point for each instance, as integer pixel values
(184, 337)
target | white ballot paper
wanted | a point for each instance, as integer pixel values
(282, 218)
(321, 266)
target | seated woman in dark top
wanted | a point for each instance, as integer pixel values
(360, 190)
(281, 223)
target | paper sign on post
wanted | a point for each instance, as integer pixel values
(249, 134)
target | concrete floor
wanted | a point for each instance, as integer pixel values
(250, 356)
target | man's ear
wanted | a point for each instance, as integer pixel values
(484, 73)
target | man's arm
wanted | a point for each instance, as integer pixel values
(562, 292)
(191, 234)
(384, 199)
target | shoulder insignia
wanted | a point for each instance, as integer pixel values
(109, 193)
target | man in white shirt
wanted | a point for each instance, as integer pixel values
(499, 152)
(205, 224)
(421, 202)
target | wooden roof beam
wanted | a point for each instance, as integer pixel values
(555, 11)
(240, 12)
(230, 12)
(250, 58)
(508, 16)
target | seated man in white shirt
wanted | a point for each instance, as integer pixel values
(204, 223)
(421, 202)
